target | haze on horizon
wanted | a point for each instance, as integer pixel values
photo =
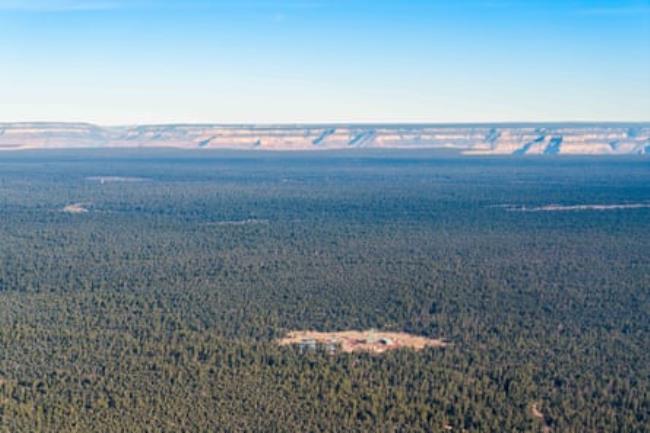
(310, 61)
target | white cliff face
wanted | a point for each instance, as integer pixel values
(580, 139)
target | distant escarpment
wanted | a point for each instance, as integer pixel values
(478, 139)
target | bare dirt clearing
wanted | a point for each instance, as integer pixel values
(75, 208)
(245, 222)
(574, 208)
(359, 341)
(113, 179)
(537, 413)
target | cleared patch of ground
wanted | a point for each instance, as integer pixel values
(537, 413)
(238, 222)
(115, 179)
(359, 341)
(579, 207)
(76, 208)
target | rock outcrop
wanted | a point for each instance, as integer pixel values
(479, 139)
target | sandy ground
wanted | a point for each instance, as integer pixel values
(238, 222)
(537, 413)
(109, 179)
(581, 207)
(362, 341)
(75, 208)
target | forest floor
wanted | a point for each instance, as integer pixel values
(361, 341)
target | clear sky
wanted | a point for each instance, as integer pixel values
(286, 61)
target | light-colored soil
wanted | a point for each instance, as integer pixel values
(361, 341)
(537, 413)
(574, 208)
(238, 222)
(75, 208)
(109, 179)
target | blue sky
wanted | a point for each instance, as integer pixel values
(286, 61)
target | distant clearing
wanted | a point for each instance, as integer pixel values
(579, 207)
(75, 208)
(115, 179)
(238, 222)
(537, 413)
(360, 341)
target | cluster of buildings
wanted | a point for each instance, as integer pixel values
(333, 345)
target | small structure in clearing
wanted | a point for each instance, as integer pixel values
(75, 208)
(358, 341)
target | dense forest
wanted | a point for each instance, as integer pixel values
(157, 309)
